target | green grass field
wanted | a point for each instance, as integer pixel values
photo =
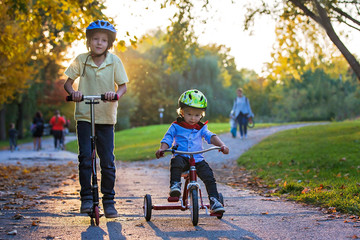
(141, 143)
(316, 164)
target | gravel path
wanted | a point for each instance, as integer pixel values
(248, 215)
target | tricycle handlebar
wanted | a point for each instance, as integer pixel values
(96, 97)
(190, 153)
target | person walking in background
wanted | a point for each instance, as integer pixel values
(241, 111)
(13, 133)
(57, 123)
(37, 130)
(100, 72)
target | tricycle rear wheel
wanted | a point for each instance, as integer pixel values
(147, 207)
(221, 199)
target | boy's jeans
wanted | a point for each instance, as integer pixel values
(105, 149)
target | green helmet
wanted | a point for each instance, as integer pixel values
(193, 98)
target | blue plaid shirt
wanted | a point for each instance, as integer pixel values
(187, 140)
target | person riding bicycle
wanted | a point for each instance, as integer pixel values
(100, 72)
(187, 133)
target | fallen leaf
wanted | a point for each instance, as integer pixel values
(305, 190)
(35, 223)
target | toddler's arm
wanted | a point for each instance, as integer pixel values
(217, 142)
(160, 152)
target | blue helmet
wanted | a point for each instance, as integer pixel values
(103, 26)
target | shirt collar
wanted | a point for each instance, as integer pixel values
(188, 126)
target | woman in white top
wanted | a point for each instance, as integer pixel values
(241, 111)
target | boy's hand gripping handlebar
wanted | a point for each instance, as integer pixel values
(96, 97)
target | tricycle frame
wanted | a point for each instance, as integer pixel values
(191, 193)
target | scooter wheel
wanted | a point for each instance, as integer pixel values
(97, 215)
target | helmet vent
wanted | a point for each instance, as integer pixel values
(190, 96)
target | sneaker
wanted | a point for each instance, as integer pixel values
(86, 206)
(109, 209)
(175, 189)
(216, 206)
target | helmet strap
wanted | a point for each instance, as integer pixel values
(92, 55)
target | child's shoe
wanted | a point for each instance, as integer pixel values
(216, 206)
(175, 189)
(109, 209)
(86, 206)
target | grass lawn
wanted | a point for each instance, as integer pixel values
(316, 164)
(141, 143)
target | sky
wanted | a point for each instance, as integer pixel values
(224, 27)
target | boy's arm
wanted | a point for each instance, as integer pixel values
(120, 92)
(217, 142)
(76, 95)
(160, 152)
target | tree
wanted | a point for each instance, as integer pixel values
(324, 13)
(34, 38)
(36, 32)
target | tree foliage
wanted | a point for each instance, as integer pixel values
(301, 15)
(33, 33)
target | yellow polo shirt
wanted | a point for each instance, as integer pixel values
(96, 81)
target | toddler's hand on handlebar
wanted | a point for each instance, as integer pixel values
(224, 149)
(159, 153)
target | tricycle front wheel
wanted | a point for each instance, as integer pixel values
(194, 206)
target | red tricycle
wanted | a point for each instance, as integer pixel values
(191, 193)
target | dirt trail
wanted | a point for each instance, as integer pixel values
(248, 215)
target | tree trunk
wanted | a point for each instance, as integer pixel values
(323, 20)
(354, 64)
(326, 24)
(2, 123)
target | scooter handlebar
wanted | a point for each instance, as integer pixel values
(101, 97)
